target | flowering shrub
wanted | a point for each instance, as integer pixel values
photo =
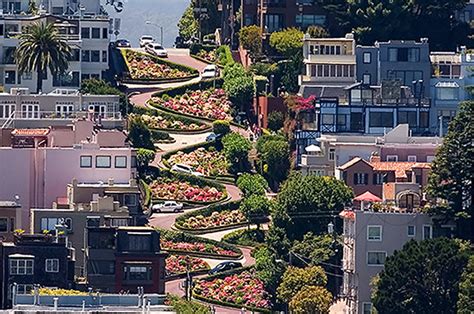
(209, 56)
(196, 247)
(209, 163)
(173, 189)
(177, 264)
(216, 219)
(240, 289)
(212, 104)
(167, 122)
(142, 66)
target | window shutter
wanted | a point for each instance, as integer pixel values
(374, 178)
(366, 178)
(355, 178)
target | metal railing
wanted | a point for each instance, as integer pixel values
(35, 115)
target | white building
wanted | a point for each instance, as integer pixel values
(86, 31)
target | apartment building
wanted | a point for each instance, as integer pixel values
(10, 219)
(368, 239)
(21, 109)
(124, 258)
(38, 164)
(87, 34)
(29, 260)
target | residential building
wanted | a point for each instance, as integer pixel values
(10, 219)
(20, 109)
(40, 163)
(334, 150)
(397, 182)
(404, 60)
(275, 15)
(84, 203)
(30, 260)
(88, 35)
(368, 239)
(124, 258)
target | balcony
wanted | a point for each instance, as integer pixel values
(53, 115)
(313, 160)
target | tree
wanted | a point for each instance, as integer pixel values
(268, 270)
(251, 39)
(255, 207)
(311, 300)
(252, 184)
(139, 133)
(423, 277)
(317, 248)
(221, 127)
(100, 87)
(309, 203)
(236, 150)
(288, 42)
(32, 8)
(466, 289)
(316, 31)
(452, 171)
(41, 48)
(294, 279)
(188, 25)
(275, 156)
(144, 157)
(275, 120)
(239, 85)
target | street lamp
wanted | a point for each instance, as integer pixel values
(330, 228)
(160, 27)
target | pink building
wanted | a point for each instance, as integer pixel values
(37, 164)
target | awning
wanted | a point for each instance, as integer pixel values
(447, 85)
(367, 197)
(313, 149)
(20, 256)
(137, 262)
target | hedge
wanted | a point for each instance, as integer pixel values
(193, 72)
(180, 90)
(220, 62)
(178, 236)
(223, 275)
(244, 237)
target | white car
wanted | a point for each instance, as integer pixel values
(145, 39)
(156, 49)
(210, 71)
(168, 206)
(186, 169)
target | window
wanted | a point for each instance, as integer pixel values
(306, 20)
(361, 178)
(86, 161)
(366, 79)
(392, 54)
(6, 110)
(130, 199)
(411, 158)
(101, 267)
(75, 55)
(381, 119)
(133, 162)
(424, 119)
(447, 93)
(27, 76)
(21, 266)
(119, 222)
(378, 178)
(85, 32)
(366, 308)
(367, 57)
(137, 273)
(86, 56)
(24, 289)
(430, 158)
(328, 119)
(95, 33)
(273, 22)
(374, 233)
(139, 243)
(413, 55)
(376, 258)
(427, 232)
(10, 77)
(49, 223)
(52, 265)
(120, 161)
(104, 56)
(95, 56)
(392, 158)
(407, 117)
(30, 111)
(341, 120)
(332, 154)
(404, 54)
(102, 161)
(3, 224)
(105, 33)
(411, 231)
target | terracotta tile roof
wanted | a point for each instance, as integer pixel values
(348, 214)
(30, 132)
(399, 167)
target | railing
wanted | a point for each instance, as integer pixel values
(35, 115)
(9, 120)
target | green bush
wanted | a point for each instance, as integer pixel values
(201, 85)
(224, 56)
(246, 237)
(275, 120)
(182, 306)
(160, 135)
(221, 127)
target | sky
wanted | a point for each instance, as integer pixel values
(165, 13)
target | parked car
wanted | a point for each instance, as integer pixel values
(145, 39)
(213, 137)
(210, 71)
(186, 169)
(168, 206)
(179, 43)
(156, 49)
(224, 266)
(123, 43)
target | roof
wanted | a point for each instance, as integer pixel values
(447, 84)
(30, 132)
(352, 162)
(323, 91)
(20, 256)
(347, 214)
(399, 167)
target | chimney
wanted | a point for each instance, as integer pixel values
(111, 181)
(375, 157)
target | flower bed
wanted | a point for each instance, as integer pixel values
(177, 264)
(195, 247)
(242, 289)
(175, 189)
(207, 56)
(164, 122)
(143, 66)
(211, 104)
(216, 219)
(209, 162)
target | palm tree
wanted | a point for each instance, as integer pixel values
(41, 48)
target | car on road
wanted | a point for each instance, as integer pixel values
(123, 43)
(145, 40)
(156, 49)
(212, 137)
(186, 169)
(168, 206)
(224, 266)
(210, 71)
